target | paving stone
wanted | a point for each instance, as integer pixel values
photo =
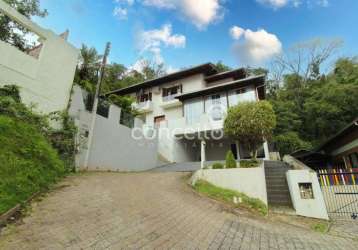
(150, 211)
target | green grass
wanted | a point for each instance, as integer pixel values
(249, 164)
(321, 227)
(28, 163)
(227, 196)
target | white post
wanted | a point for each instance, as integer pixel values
(238, 150)
(203, 143)
(266, 150)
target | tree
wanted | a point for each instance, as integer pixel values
(328, 109)
(113, 77)
(305, 59)
(220, 67)
(13, 33)
(87, 68)
(250, 123)
(290, 142)
(345, 71)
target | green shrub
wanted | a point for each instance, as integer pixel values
(217, 165)
(228, 195)
(249, 164)
(28, 163)
(230, 160)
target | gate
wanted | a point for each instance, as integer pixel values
(340, 192)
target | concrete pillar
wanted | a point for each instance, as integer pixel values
(203, 143)
(266, 150)
(238, 150)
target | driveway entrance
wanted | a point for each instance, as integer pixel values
(148, 210)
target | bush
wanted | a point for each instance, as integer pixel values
(249, 164)
(28, 162)
(63, 139)
(217, 165)
(230, 160)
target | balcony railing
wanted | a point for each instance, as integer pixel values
(146, 106)
(169, 97)
(170, 101)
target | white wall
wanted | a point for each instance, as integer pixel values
(113, 147)
(195, 82)
(45, 81)
(315, 207)
(250, 181)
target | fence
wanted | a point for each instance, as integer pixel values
(340, 192)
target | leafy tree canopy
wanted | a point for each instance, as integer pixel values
(309, 105)
(250, 123)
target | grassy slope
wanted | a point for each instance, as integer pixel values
(28, 163)
(227, 195)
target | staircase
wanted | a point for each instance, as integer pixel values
(278, 193)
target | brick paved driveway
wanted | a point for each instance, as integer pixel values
(148, 210)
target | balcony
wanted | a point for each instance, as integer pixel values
(170, 101)
(143, 107)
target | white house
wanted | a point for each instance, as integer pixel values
(189, 107)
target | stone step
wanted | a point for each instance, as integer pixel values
(276, 184)
(279, 197)
(278, 179)
(277, 188)
(273, 193)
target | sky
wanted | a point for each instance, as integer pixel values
(184, 33)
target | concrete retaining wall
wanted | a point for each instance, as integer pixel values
(113, 147)
(250, 181)
(315, 207)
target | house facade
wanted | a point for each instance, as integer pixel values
(188, 109)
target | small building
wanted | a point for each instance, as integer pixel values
(190, 106)
(339, 151)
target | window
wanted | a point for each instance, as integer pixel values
(215, 106)
(215, 99)
(169, 93)
(193, 109)
(144, 97)
(306, 190)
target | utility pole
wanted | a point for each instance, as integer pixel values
(95, 103)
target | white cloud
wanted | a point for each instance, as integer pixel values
(153, 40)
(124, 2)
(236, 32)
(277, 4)
(274, 3)
(162, 4)
(199, 12)
(120, 13)
(255, 47)
(202, 12)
